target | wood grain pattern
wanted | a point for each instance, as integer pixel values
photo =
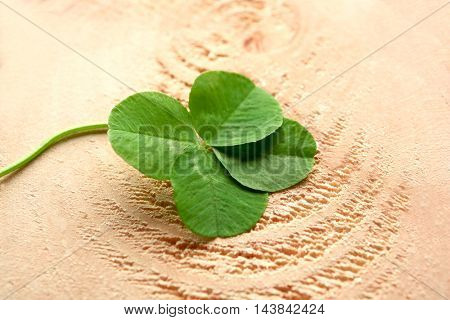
(370, 222)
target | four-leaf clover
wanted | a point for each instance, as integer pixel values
(222, 156)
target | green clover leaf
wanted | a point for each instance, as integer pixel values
(209, 201)
(277, 162)
(149, 130)
(228, 109)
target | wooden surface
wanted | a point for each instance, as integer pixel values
(372, 221)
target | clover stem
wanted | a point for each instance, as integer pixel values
(50, 142)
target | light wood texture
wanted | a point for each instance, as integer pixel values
(372, 221)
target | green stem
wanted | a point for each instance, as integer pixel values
(50, 142)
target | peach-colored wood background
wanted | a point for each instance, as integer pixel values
(372, 221)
